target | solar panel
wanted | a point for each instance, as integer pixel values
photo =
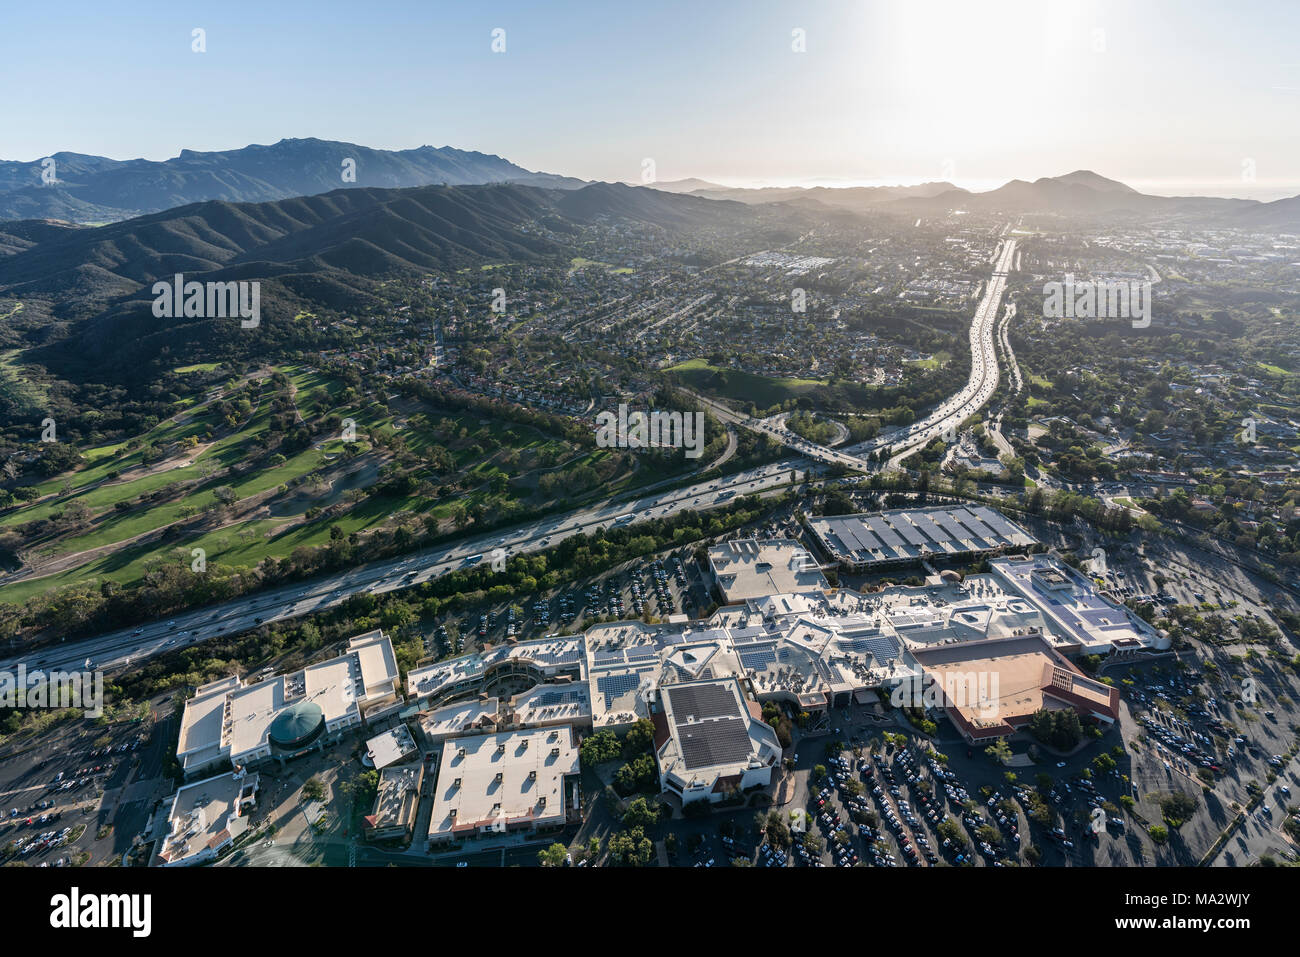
(709, 743)
(887, 534)
(702, 701)
(909, 532)
(757, 659)
(978, 528)
(557, 697)
(883, 649)
(999, 524)
(615, 686)
(926, 524)
(948, 524)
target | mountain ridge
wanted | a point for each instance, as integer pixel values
(94, 189)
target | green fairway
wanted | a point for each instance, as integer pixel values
(197, 367)
(742, 386)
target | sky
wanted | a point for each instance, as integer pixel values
(1170, 96)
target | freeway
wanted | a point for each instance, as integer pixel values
(123, 647)
(946, 418)
(983, 381)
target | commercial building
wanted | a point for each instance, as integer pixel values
(544, 659)
(507, 783)
(991, 688)
(751, 568)
(1089, 623)
(205, 818)
(287, 715)
(909, 536)
(711, 742)
(397, 802)
(391, 747)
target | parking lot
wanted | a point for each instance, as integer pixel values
(83, 794)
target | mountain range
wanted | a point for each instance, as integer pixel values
(96, 189)
(87, 290)
(1082, 194)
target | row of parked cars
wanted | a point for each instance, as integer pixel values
(43, 841)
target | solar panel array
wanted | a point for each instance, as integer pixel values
(725, 741)
(757, 659)
(882, 648)
(568, 656)
(701, 702)
(551, 698)
(997, 522)
(909, 533)
(615, 686)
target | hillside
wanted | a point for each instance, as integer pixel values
(89, 289)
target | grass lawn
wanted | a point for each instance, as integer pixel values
(197, 367)
(763, 391)
(1274, 370)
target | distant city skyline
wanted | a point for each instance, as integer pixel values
(1168, 97)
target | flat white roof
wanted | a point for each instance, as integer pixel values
(495, 781)
(391, 746)
(205, 815)
(750, 568)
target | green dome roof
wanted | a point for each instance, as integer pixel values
(296, 725)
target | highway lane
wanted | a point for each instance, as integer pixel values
(126, 646)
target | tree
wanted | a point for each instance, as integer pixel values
(1177, 808)
(640, 814)
(553, 856)
(600, 747)
(999, 751)
(639, 738)
(631, 848)
(313, 789)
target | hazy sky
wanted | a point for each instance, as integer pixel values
(1169, 96)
